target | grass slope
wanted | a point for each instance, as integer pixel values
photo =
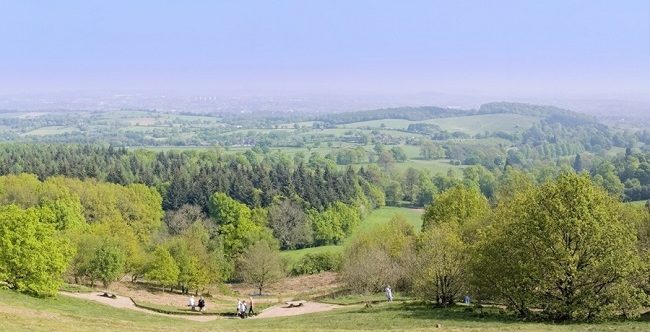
(23, 313)
(374, 219)
(471, 125)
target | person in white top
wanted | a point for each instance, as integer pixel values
(389, 294)
(192, 303)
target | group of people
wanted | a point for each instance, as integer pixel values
(242, 307)
(193, 303)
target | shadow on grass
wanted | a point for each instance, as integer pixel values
(427, 311)
(474, 314)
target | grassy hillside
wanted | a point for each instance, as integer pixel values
(487, 122)
(375, 218)
(23, 313)
(472, 124)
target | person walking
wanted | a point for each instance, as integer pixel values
(243, 309)
(201, 304)
(250, 306)
(192, 303)
(238, 308)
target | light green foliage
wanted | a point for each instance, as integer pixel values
(382, 256)
(512, 182)
(334, 224)
(107, 262)
(162, 268)
(439, 274)
(604, 174)
(141, 208)
(67, 213)
(236, 223)
(430, 150)
(136, 206)
(562, 247)
(479, 177)
(393, 190)
(260, 265)
(23, 190)
(128, 242)
(458, 204)
(33, 256)
(191, 274)
(328, 260)
(62, 205)
(199, 259)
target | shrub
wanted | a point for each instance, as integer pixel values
(316, 263)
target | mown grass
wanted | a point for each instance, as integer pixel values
(23, 313)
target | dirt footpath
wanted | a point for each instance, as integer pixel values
(124, 302)
(305, 308)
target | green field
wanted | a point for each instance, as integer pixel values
(23, 313)
(52, 130)
(487, 122)
(374, 219)
(384, 214)
(472, 125)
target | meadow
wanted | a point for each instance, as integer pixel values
(375, 218)
(24, 313)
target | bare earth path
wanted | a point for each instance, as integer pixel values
(306, 308)
(276, 311)
(126, 303)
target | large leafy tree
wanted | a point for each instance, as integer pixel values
(236, 224)
(380, 257)
(458, 204)
(261, 265)
(562, 247)
(290, 225)
(33, 255)
(335, 223)
(163, 268)
(107, 263)
(441, 266)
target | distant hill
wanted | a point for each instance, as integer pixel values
(405, 113)
(551, 114)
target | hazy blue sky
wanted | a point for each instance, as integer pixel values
(483, 47)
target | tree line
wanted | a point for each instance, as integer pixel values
(91, 232)
(190, 177)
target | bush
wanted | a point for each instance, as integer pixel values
(316, 263)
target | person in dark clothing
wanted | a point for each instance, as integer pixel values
(201, 304)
